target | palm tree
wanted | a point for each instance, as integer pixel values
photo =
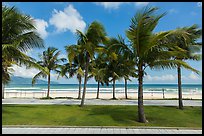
(100, 78)
(114, 65)
(71, 71)
(75, 67)
(50, 61)
(128, 71)
(99, 75)
(6, 72)
(89, 42)
(150, 49)
(191, 46)
(125, 58)
(18, 37)
(98, 71)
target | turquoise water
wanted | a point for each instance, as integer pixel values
(156, 88)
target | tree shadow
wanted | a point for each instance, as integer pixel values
(120, 114)
(19, 105)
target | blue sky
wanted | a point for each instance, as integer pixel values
(56, 22)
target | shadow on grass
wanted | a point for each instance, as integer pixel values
(46, 98)
(19, 105)
(6, 111)
(64, 98)
(118, 114)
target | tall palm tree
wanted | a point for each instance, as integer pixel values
(72, 70)
(115, 59)
(128, 70)
(101, 78)
(89, 42)
(190, 46)
(98, 71)
(112, 70)
(125, 58)
(78, 69)
(150, 49)
(75, 67)
(50, 61)
(18, 37)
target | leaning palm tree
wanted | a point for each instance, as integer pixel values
(50, 61)
(191, 47)
(89, 42)
(150, 49)
(18, 37)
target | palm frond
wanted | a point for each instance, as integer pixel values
(169, 64)
(38, 75)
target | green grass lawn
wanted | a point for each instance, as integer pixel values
(98, 115)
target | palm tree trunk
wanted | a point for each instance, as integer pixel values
(114, 89)
(141, 114)
(48, 91)
(2, 91)
(97, 97)
(179, 88)
(79, 95)
(85, 81)
(126, 89)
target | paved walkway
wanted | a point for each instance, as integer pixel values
(96, 131)
(100, 102)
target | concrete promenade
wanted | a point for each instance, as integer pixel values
(99, 130)
(99, 102)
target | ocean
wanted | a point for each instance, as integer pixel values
(147, 88)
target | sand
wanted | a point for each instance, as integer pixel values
(73, 94)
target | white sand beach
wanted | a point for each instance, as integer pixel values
(74, 94)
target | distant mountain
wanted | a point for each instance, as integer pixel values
(22, 80)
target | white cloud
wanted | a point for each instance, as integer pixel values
(116, 5)
(62, 56)
(193, 76)
(67, 20)
(41, 26)
(54, 76)
(29, 52)
(141, 3)
(111, 5)
(30, 73)
(172, 11)
(23, 72)
(168, 77)
(199, 4)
